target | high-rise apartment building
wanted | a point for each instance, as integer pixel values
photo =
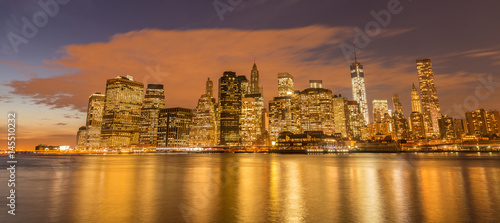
(417, 125)
(94, 120)
(122, 112)
(431, 109)
(398, 107)
(154, 100)
(483, 123)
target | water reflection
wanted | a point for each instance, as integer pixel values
(446, 187)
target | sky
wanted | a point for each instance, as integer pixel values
(55, 53)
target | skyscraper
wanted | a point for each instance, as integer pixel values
(122, 112)
(398, 107)
(431, 109)
(416, 105)
(230, 94)
(380, 108)
(358, 87)
(81, 138)
(483, 123)
(154, 100)
(315, 109)
(94, 120)
(285, 84)
(203, 131)
(341, 115)
(174, 127)
(356, 120)
(254, 80)
(446, 127)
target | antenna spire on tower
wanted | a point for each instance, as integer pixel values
(355, 56)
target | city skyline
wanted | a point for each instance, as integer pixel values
(58, 69)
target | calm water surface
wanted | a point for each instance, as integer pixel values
(441, 187)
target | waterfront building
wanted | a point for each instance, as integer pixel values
(460, 128)
(154, 100)
(431, 109)
(174, 127)
(122, 112)
(483, 123)
(251, 119)
(94, 120)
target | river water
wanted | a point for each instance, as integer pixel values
(409, 187)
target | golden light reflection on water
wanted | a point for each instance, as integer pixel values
(265, 188)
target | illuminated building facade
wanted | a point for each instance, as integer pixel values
(94, 120)
(460, 127)
(122, 112)
(81, 138)
(154, 100)
(285, 85)
(356, 120)
(446, 128)
(315, 109)
(280, 116)
(254, 80)
(431, 109)
(417, 125)
(230, 95)
(174, 127)
(380, 108)
(203, 131)
(251, 119)
(483, 123)
(416, 105)
(358, 87)
(341, 115)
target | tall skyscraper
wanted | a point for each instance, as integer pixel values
(416, 105)
(285, 85)
(380, 108)
(358, 87)
(203, 131)
(280, 116)
(417, 125)
(431, 109)
(94, 120)
(254, 80)
(341, 115)
(230, 94)
(174, 127)
(122, 112)
(154, 100)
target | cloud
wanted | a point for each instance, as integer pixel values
(61, 123)
(182, 61)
